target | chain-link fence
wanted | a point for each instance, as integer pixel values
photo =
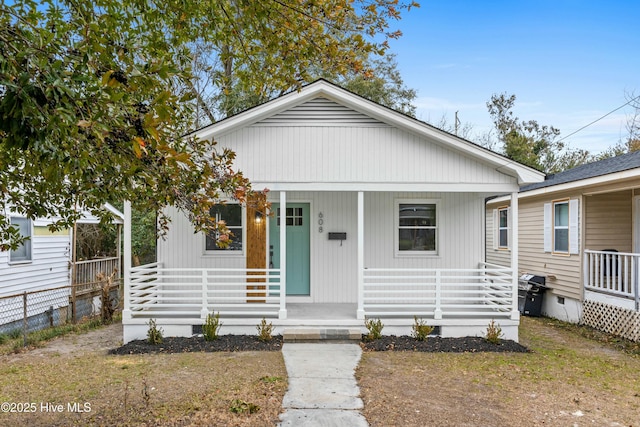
(33, 311)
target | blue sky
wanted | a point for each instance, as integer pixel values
(568, 62)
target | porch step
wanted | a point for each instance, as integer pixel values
(321, 334)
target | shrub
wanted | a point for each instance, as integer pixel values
(154, 334)
(211, 327)
(494, 332)
(420, 329)
(265, 330)
(375, 327)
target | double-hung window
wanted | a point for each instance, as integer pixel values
(231, 214)
(503, 228)
(23, 252)
(561, 227)
(417, 227)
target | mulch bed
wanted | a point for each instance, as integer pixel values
(252, 343)
(442, 345)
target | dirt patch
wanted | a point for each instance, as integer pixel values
(565, 380)
(99, 340)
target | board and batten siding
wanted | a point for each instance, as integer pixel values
(333, 263)
(48, 268)
(324, 148)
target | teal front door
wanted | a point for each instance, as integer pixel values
(297, 223)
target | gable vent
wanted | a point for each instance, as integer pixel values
(320, 112)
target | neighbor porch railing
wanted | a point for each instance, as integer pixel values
(613, 273)
(86, 271)
(486, 291)
(154, 291)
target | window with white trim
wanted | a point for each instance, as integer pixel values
(23, 252)
(561, 226)
(417, 227)
(503, 228)
(231, 214)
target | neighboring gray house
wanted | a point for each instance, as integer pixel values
(581, 230)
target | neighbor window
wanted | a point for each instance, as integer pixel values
(232, 215)
(23, 252)
(561, 226)
(503, 228)
(417, 228)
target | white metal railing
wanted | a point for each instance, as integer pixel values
(613, 273)
(440, 293)
(194, 292)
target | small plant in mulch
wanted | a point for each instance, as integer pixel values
(374, 326)
(154, 334)
(494, 332)
(239, 406)
(265, 330)
(211, 327)
(420, 330)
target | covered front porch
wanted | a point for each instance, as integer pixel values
(349, 280)
(611, 261)
(460, 302)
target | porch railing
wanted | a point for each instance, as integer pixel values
(193, 293)
(613, 273)
(85, 272)
(486, 291)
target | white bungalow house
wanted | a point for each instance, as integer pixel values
(580, 230)
(382, 217)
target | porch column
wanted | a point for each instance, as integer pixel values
(360, 263)
(126, 295)
(515, 313)
(282, 314)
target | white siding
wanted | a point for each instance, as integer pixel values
(333, 154)
(460, 231)
(333, 263)
(49, 267)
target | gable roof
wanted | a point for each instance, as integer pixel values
(600, 168)
(324, 89)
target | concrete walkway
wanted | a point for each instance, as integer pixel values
(322, 386)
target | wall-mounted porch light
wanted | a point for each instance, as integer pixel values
(258, 217)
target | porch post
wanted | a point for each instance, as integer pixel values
(515, 313)
(360, 314)
(126, 295)
(282, 314)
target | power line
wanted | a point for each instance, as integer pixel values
(598, 119)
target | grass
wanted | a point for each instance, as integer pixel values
(573, 376)
(170, 389)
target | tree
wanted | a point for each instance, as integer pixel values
(93, 103)
(632, 142)
(530, 143)
(383, 84)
